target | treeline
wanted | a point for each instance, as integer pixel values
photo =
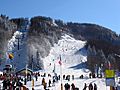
(98, 57)
(20, 22)
(43, 25)
(6, 31)
(102, 52)
(93, 31)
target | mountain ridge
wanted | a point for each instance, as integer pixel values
(44, 32)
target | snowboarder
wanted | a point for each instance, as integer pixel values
(95, 86)
(85, 87)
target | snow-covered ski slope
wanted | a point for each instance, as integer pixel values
(72, 53)
(73, 56)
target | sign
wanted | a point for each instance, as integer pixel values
(109, 73)
(110, 81)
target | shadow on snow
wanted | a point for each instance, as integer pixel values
(82, 65)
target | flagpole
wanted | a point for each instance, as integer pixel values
(109, 65)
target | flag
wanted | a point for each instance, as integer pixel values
(60, 61)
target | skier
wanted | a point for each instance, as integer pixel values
(85, 87)
(90, 86)
(95, 86)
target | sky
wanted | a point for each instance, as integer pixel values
(102, 12)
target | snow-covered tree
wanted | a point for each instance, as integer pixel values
(39, 62)
(94, 50)
(89, 50)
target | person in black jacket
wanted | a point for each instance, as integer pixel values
(49, 83)
(90, 86)
(85, 87)
(4, 84)
(95, 86)
(73, 86)
(67, 86)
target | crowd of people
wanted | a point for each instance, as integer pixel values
(13, 83)
(16, 82)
